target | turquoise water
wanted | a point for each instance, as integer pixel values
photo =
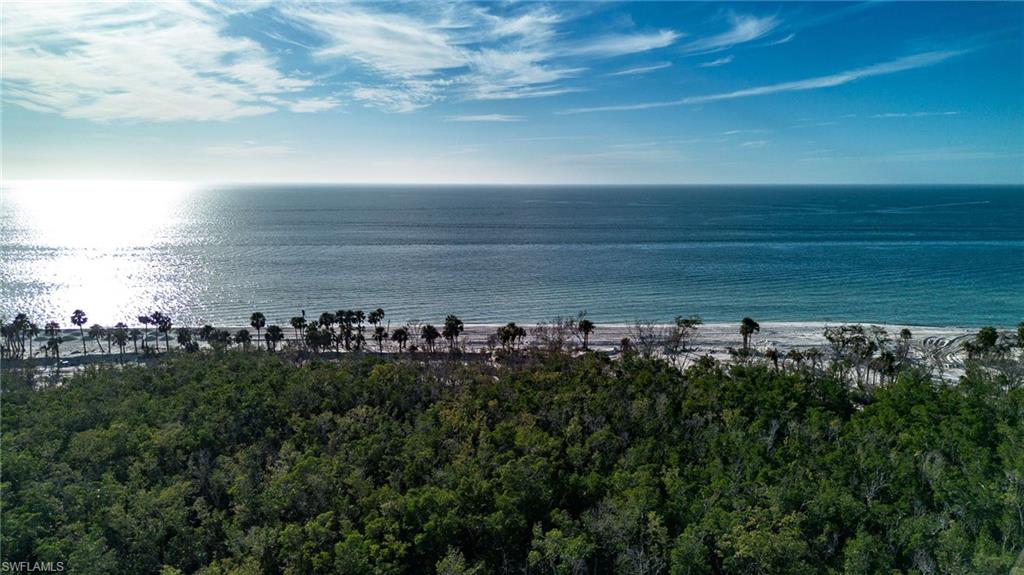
(917, 255)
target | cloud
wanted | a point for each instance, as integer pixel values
(621, 44)
(912, 114)
(754, 144)
(485, 52)
(407, 96)
(137, 62)
(393, 43)
(743, 28)
(718, 62)
(891, 67)
(312, 105)
(485, 118)
(784, 40)
(642, 69)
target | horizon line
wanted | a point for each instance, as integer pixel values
(5, 183)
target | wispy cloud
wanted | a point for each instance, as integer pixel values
(747, 131)
(784, 40)
(484, 53)
(742, 29)
(485, 118)
(891, 67)
(146, 61)
(620, 44)
(642, 69)
(312, 105)
(913, 114)
(549, 138)
(719, 62)
(754, 144)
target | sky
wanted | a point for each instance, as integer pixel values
(498, 92)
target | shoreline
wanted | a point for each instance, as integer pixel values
(709, 338)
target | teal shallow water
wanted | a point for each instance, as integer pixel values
(911, 255)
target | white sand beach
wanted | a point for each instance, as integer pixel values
(943, 344)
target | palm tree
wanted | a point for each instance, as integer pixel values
(184, 337)
(586, 327)
(205, 332)
(274, 335)
(508, 335)
(298, 324)
(345, 319)
(327, 321)
(135, 334)
(376, 316)
(453, 326)
(20, 326)
(430, 334)
(96, 332)
(243, 338)
(79, 318)
(163, 325)
(145, 321)
(316, 339)
(358, 316)
(53, 344)
(257, 320)
(380, 333)
(120, 337)
(773, 355)
(400, 336)
(218, 340)
(33, 332)
(747, 328)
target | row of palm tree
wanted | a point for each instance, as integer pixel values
(343, 329)
(866, 354)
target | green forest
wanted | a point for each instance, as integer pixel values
(223, 462)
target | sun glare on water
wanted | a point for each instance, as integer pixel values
(100, 240)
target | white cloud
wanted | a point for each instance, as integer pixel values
(742, 29)
(479, 54)
(754, 144)
(642, 69)
(485, 118)
(784, 40)
(393, 43)
(145, 61)
(718, 62)
(620, 44)
(838, 79)
(312, 105)
(913, 114)
(399, 97)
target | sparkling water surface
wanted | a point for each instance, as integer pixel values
(936, 255)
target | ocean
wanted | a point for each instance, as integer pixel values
(935, 255)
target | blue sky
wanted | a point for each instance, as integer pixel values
(515, 92)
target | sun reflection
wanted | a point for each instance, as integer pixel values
(95, 214)
(89, 244)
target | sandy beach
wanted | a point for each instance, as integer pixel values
(715, 339)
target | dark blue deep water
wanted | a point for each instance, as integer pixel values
(915, 255)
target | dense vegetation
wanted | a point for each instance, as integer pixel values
(248, 463)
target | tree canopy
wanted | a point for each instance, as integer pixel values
(227, 462)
